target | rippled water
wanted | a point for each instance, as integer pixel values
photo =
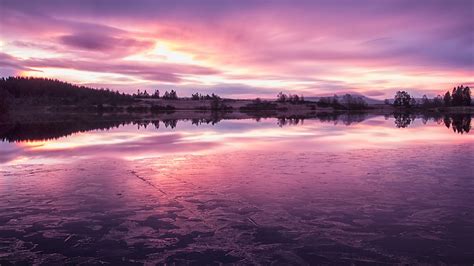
(240, 191)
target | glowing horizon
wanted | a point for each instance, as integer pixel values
(243, 49)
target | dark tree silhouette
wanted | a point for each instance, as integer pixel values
(402, 120)
(461, 96)
(172, 95)
(20, 131)
(50, 91)
(213, 120)
(291, 120)
(447, 121)
(457, 96)
(289, 98)
(431, 103)
(403, 99)
(460, 123)
(197, 96)
(170, 123)
(466, 96)
(447, 99)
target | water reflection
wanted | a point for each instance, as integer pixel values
(332, 189)
(17, 132)
(402, 120)
(460, 123)
(132, 139)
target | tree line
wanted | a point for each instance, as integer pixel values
(53, 91)
(172, 95)
(197, 96)
(289, 98)
(460, 123)
(460, 96)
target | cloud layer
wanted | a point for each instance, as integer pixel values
(243, 48)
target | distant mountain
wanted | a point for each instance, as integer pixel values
(368, 100)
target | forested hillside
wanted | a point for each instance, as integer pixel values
(50, 91)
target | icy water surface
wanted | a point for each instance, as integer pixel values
(240, 192)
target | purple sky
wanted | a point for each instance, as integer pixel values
(243, 48)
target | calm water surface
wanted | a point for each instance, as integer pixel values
(241, 191)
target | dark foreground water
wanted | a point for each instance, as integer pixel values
(239, 192)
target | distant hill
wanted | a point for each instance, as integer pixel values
(368, 100)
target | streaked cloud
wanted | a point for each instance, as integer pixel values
(254, 48)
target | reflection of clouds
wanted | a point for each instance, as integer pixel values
(129, 142)
(137, 147)
(8, 151)
(373, 122)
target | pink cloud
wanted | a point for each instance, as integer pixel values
(306, 46)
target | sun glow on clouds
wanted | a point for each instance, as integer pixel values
(163, 52)
(298, 46)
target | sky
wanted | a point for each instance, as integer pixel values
(243, 48)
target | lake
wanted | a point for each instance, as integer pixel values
(364, 189)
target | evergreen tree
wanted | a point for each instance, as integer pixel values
(466, 95)
(457, 96)
(461, 96)
(447, 99)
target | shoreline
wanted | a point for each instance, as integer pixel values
(182, 109)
